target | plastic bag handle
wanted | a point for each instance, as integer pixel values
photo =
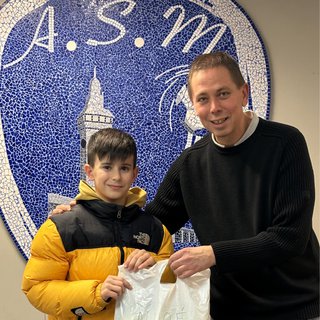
(160, 266)
(155, 272)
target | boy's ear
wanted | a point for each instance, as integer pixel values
(88, 170)
(135, 173)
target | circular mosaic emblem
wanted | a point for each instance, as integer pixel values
(69, 68)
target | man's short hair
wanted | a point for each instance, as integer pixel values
(113, 143)
(213, 60)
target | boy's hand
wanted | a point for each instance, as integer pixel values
(138, 260)
(113, 288)
(62, 208)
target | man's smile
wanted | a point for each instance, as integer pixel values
(219, 121)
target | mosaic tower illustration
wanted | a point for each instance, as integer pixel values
(92, 118)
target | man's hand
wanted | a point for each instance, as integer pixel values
(139, 259)
(189, 261)
(113, 288)
(62, 208)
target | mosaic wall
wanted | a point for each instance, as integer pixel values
(68, 68)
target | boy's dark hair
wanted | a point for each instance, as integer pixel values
(213, 60)
(111, 142)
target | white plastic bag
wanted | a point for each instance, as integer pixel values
(187, 299)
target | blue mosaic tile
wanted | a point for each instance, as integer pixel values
(68, 68)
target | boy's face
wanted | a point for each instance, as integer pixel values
(112, 180)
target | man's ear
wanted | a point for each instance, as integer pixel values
(89, 171)
(245, 92)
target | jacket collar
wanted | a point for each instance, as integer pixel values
(109, 211)
(136, 195)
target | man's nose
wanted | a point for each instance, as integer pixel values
(214, 106)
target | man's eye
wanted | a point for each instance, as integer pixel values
(202, 99)
(224, 94)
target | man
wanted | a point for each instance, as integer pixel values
(248, 188)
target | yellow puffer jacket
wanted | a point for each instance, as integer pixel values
(72, 254)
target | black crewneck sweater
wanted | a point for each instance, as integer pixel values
(253, 203)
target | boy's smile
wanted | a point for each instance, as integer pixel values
(112, 179)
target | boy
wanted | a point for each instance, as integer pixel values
(72, 271)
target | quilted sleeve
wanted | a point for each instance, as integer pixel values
(166, 250)
(44, 278)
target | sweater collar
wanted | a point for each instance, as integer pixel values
(250, 130)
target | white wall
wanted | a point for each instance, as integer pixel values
(13, 303)
(290, 31)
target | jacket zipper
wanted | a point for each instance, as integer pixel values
(119, 215)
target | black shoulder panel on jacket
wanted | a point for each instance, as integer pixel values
(81, 229)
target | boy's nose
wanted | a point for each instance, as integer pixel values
(115, 175)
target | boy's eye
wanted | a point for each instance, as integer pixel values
(125, 169)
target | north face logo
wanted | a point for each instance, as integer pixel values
(142, 238)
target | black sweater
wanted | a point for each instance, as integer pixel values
(253, 203)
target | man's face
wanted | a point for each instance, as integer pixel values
(112, 179)
(218, 102)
